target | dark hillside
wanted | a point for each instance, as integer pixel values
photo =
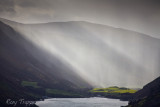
(149, 96)
(24, 76)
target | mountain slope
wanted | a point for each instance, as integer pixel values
(19, 65)
(68, 56)
(149, 96)
(149, 89)
(100, 54)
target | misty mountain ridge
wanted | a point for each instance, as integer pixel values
(99, 54)
(12, 23)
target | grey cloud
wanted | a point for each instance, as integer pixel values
(34, 3)
(7, 6)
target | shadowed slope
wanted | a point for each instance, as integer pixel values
(149, 96)
(18, 63)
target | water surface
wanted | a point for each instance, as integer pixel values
(81, 102)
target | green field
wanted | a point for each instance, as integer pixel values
(60, 92)
(113, 89)
(49, 91)
(31, 84)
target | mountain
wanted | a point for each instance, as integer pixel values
(149, 89)
(149, 96)
(99, 54)
(27, 73)
(61, 59)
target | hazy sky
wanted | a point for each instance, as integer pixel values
(138, 15)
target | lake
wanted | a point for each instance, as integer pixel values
(81, 102)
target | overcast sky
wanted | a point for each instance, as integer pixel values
(137, 15)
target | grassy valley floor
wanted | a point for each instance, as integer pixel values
(114, 92)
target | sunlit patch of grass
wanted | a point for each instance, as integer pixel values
(125, 91)
(113, 89)
(98, 91)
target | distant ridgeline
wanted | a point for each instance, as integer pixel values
(114, 92)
